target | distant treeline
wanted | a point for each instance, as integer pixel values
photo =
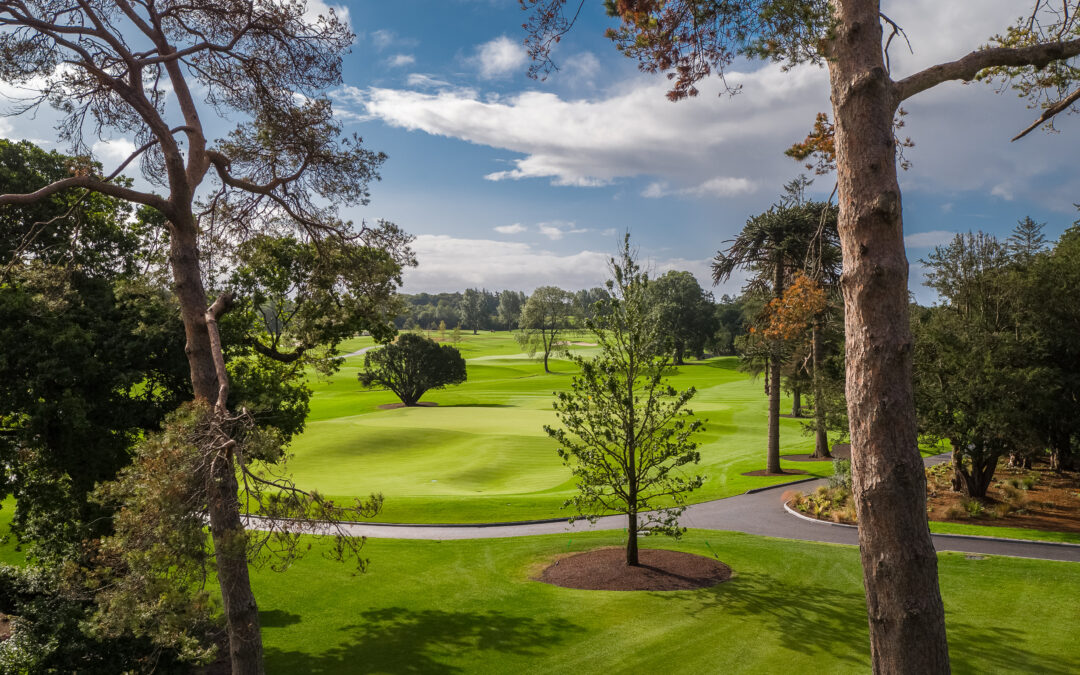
(715, 323)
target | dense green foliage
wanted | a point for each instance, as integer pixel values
(412, 365)
(996, 368)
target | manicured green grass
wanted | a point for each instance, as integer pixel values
(792, 607)
(482, 454)
(9, 555)
(1006, 532)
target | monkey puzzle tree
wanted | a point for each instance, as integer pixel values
(132, 67)
(627, 431)
(691, 39)
(774, 246)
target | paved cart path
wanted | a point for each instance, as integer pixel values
(761, 512)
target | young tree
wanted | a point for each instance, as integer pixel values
(412, 365)
(266, 63)
(684, 312)
(545, 316)
(627, 432)
(689, 40)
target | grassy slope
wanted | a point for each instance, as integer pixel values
(482, 454)
(8, 554)
(469, 606)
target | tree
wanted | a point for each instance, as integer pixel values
(775, 245)
(266, 63)
(1027, 239)
(684, 312)
(510, 304)
(545, 316)
(627, 432)
(412, 365)
(472, 308)
(689, 40)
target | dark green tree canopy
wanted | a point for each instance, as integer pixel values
(685, 313)
(412, 365)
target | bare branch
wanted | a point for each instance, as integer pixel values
(92, 183)
(969, 66)
(1058, 107)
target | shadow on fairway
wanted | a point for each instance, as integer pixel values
(803, 618)
(478, 405)
(399, 640)
(277, 618)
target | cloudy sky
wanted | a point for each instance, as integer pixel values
(508, 182)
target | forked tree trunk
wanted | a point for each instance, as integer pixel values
(906, 616)
(226, 528)
(821, 438)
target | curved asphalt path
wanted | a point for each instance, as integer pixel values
(760, 512)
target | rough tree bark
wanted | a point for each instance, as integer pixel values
(906, 615)
(772, 464)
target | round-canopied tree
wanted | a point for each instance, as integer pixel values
(412, 365)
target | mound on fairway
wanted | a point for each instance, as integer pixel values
(481, 454)
(605, 569)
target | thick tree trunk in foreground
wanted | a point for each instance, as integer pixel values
(226, 528)
(907, 619)
(821, 438)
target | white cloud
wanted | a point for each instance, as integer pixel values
(580, 69)
(516, 228)
(317, 8)
(929, 239)
(400, 60)
(449, 264)
(633, 131)
(1004, 191)
(720, 186)
(556, 229)
(499, 57)
(383, 39)
(115, 150)
(424, 81)
(608, 232)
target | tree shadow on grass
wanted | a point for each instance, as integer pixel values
(399, 640)
(805, 618)
(987, 648)
(277, 618)
(478, 405)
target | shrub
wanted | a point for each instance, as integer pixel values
(973, 507)
(841, 476)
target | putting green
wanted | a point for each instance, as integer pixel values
(481, 455)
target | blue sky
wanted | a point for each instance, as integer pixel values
(513, 183)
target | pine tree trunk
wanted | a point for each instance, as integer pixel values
(226, 528)
(772, 464)
(821, 438)
(796, 402)
(906, 616)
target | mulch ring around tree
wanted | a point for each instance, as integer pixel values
(785, 472)
(395, 406)
(838, 451)
(605, 569)
(5, 627)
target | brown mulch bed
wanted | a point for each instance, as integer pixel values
(838, 451)
(1052, 503)
(395, 406)
(5, 627)
(605, 569)
(785, 472)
